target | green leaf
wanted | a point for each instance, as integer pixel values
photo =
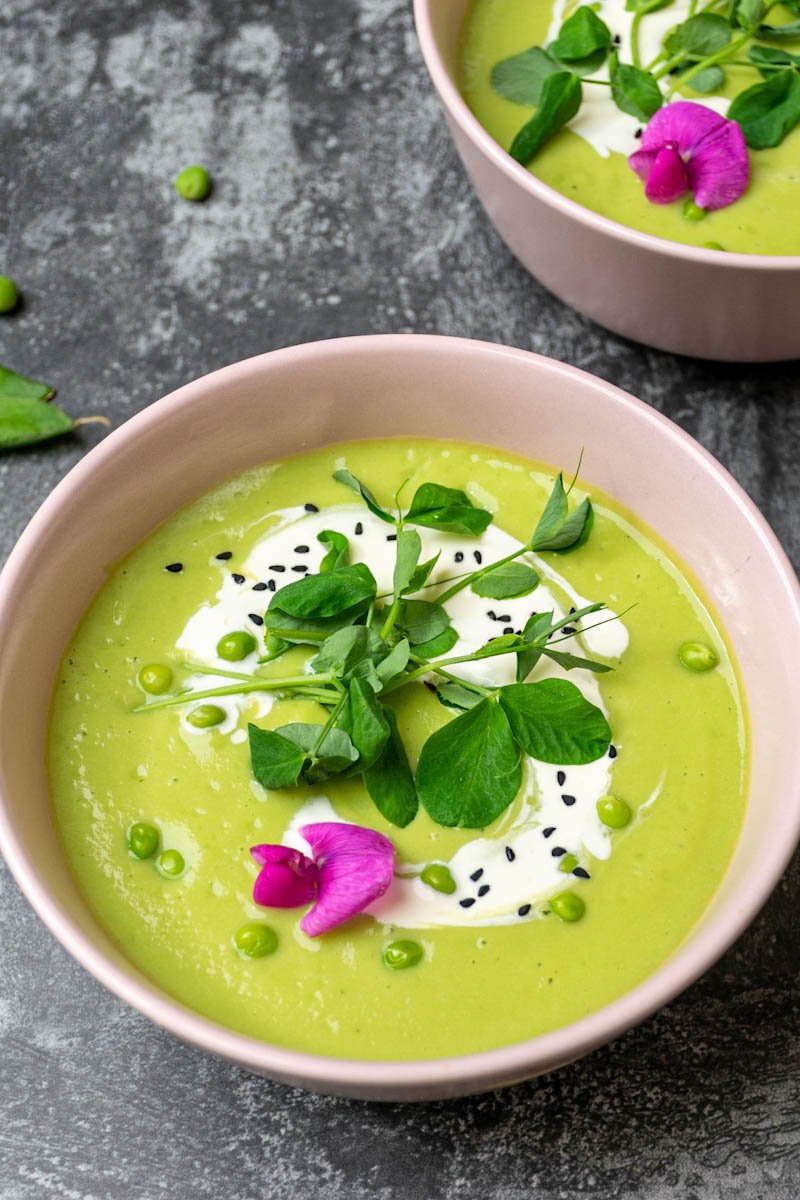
(453, 695)
(560, 100)
(768, 111)
(21, 388)
(339, 553)
(770, 60)
(554, 515)
(409, 548)
(701, 35)
(571, 661)
(422, 620)
(469, 770)
(520, 77)
(345, 590)
(507, 582)
(25, 421)
(423, 573)
(361, 717)
(581, 35)
(437, 646)
(777, 32)
(349, 480)
(634, 91)
(748, 14)
(646, 6)
(394, 663)
(553, 722)
(447, 509)
(556, 529)
(499, 645)
(277, 761)
(333, 756)
(344, 651)
(707, 81)
(536, 630)
(389, 781)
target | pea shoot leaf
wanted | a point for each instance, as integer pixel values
(582, 35)
(769, 60)
(700, 35)
(437, 646)
(423, 573)
(346, 590)
(572, 661)
(768, 111)
(453, 695)
(361, 717)
(344, 651)
(536, 630)
(448, 510)
(394, 663)
(520, 77)
(646, 6)
(422, 620)
(560, 99)
(19, 387)
(389, 781)
(409, 548)
(277, 761)
(333, 756)
(469, 770)
(507, 582)
(634, 91)
(553, 722)
(25, 421)
(349, 480)
(338, 553)
(707, 81)
(557, 528)
(778, 32)
(748, 14)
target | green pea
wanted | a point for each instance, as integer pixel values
(206, 715)
(256, 940)
(696, 656)
(567, 906)
(402, 954)
(568, 864)
(9, 294)
(193, 183)
(171, 863)
(438, 877)
(613, 812)
(235, 646)
(692, 211)
(142, 839)
(155, 678)
(713, 246)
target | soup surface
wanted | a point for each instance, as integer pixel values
(587, 161)
(498, 963)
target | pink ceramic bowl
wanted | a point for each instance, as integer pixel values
(297, 399)
(736, 307)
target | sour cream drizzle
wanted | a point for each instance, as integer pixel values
(499, 879)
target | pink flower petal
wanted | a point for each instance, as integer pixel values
(287, 878)
(355, 868)
(667, 179)
(683, 123)
(642, 163)
(719, 169)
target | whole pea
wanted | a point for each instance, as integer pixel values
(713, 246)
(193, 183)
(256, 940)
(438, 877)
(9, 294)
(155, 678)
(567, 906)
(692, 211)
(205, 716)
(402, 954)
(233, 647)
(171, 863)
(697, 656)
(613, 812)
(567, 864)
(143, 839)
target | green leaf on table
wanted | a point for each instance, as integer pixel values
(520, 78)
(22, 388)
(448, 510)
(553, 722)
(582, 35)
(409, 548)
(768, 111)
(506, 582)
(634, 91)
(338, 554)
(277, 761)
(349, 480)
(362, 718)
(332, 756)
(701, 35)
(389, 781)
(422, 620)
(25, 421)
(348, 589)
(453, 695)
(560, 99)
(437, 646)
(558, 529)
(469, 770)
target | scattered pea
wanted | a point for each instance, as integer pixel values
(193, 183)
(567, 906)
(171, 863)
(613, 812)
(692, 211)
(205, 716)
(9, 294)
(142, 839)
(155, 678)
(438, 877)
(256, 940)
(696, 656)
(713, 246)
(402, 954)
(568, 864)
(233, 647)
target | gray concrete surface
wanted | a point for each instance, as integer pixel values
(339, 208)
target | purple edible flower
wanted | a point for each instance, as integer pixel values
(351, 867)
(688, 147)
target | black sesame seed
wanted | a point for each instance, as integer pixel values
(508, 629)
(550, 830)
(491, 614)
(568, 800)
(237, 578)
(617, 40)
(301, 549)
(561, 778)
(612, 750)
(262, 587)
(225, 555)
(572, 610)
(391, 537)
(459, 556)
(256, 619)
(309, 507)
(638, 133)
(430, 686)
(475, 876)
(557, 851)
(505, 618)
(175, 568)
(523, 910)
(510, 855)
(270, 584)
(278, 567)
(359, 529)
(569, 629)
(581, 873)
(468, 903)
(476, 554)
(483, 890)
(300, 568)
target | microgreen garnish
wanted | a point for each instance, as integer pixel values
(28, 417)
(368, 647)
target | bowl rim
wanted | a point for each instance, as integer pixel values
(422, 1078)
(457, 108)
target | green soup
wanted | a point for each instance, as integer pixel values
(678, 761)
(763, 221)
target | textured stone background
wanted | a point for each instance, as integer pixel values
(339, 208)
